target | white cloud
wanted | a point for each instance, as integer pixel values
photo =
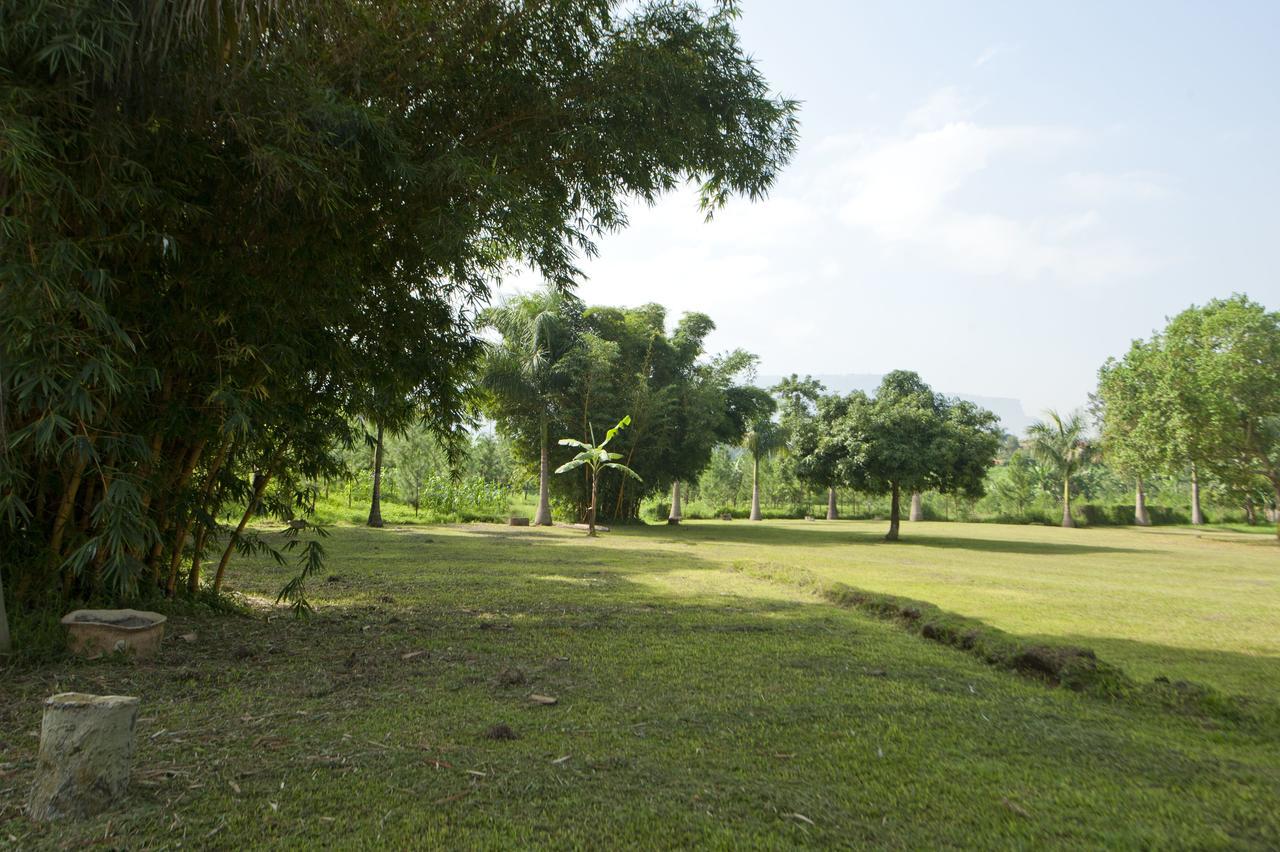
(936, 188)
(903, 185)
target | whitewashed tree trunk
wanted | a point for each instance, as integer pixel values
(755, 490)
(86, 743)
(675, 517)
(1275, 513)
(917, 507)
(1141, 516)
(542, 518)
(1197, 516)
(1067, 520)
(832, 513)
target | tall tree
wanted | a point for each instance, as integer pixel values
(681, 402)
(815, 445)
(797, 402)
(1134, 428)
(5, 642)
(762, 437)
(1223, 380)
(220, 217)
(526, 376)
(908, 438)
(1061, 445)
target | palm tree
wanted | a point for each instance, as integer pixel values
(524, 374)
(761, 438)
(1060, 445)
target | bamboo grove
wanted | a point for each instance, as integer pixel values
(231, 232)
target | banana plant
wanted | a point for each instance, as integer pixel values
(596, 458)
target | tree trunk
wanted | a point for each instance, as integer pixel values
(542, 518)
(895, 514)
(832, 512)
(1197, 516)
(591, 513)
(1067, 521)
(675, 516)
(375, 504)
(1141, 516)
(1250, 513)
(1277, 509)
(755, 489)
(260, 481)
(5, 644)
(917, 507)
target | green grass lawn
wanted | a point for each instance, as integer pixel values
(1200, 605)
(696, 703)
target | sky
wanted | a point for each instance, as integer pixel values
(998, 196)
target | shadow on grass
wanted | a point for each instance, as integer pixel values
(1234, 673)
(830, 534)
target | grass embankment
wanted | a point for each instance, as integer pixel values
(696, 703)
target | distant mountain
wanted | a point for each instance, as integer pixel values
(1010, 412)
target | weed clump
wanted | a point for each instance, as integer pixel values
(500, 731)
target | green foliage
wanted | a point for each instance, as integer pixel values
(910, 439)
(229, 230)
(595, 458)
(1060, 445)
(1204, 393)
(616, 362)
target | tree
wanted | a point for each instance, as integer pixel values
(5, 642)
(596, 458)
(1133, 422)
(681, 403)
(1061, 445)
(527, 374)
(232, 229)
(1222, 383)
(816, 447)
(414, 457)
(797, 400)
(909, 438)
(762, 438)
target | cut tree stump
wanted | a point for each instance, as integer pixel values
(517, 522)
(86, 743)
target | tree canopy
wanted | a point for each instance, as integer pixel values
(1204, 393)
(909, 438)
(230, 229)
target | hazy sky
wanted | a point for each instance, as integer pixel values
(996, 195)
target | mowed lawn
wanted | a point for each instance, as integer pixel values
(1199, 605)
(695, 704)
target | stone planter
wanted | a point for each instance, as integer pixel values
(94, 632)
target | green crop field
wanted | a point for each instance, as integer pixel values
(708, 689)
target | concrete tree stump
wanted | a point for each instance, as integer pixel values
(86, 743)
